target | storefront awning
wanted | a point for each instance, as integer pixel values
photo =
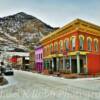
(77, 52)
(68, 54)
(53, 55)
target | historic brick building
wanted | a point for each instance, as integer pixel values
(74, 47)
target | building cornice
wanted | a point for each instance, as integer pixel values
(76, 25)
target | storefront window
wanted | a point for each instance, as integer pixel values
(45, 64)
(67, 64)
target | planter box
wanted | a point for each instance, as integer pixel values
(45, 72)
(70, 76)
(58, 74)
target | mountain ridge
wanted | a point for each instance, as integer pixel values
(25, 29)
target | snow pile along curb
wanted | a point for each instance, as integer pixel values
(3, 81)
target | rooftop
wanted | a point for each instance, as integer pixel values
(75, 22)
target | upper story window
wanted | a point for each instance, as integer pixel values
(37, 56)
(89, 42)
(51, 47)
(40, 55)
(47, 49)
(73, 42)
(44, 51)
(81, 42)
(66, 44)
(55, 46)
(61, 45)
(96, 45)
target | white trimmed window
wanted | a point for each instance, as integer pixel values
(96, 45)
(55, 46)
(66, 44)
(61, 45)
(89, 42)
(51, 47)
(81, 42)
(73, 42)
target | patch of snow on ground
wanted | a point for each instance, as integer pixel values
(33, 86)
(11, 81)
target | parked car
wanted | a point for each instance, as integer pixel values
(8, 70)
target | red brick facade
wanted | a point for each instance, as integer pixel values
(77, 42)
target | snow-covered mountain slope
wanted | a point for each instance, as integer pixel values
(23, 29)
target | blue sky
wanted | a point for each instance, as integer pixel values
(54, 12)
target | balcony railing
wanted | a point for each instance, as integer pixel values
(64, 52)
(54, 52)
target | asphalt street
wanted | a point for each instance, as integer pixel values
(32, 86)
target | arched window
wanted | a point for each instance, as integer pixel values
(44, 51)
(89, 41)
(81, 42)
(61, 45)
(66, 44)
(73, 42)
(96, 45)
(51, 47)
(47, 48)
(55, 46)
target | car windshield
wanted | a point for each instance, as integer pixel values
(8, 68)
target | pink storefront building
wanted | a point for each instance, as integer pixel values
(39, 58)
